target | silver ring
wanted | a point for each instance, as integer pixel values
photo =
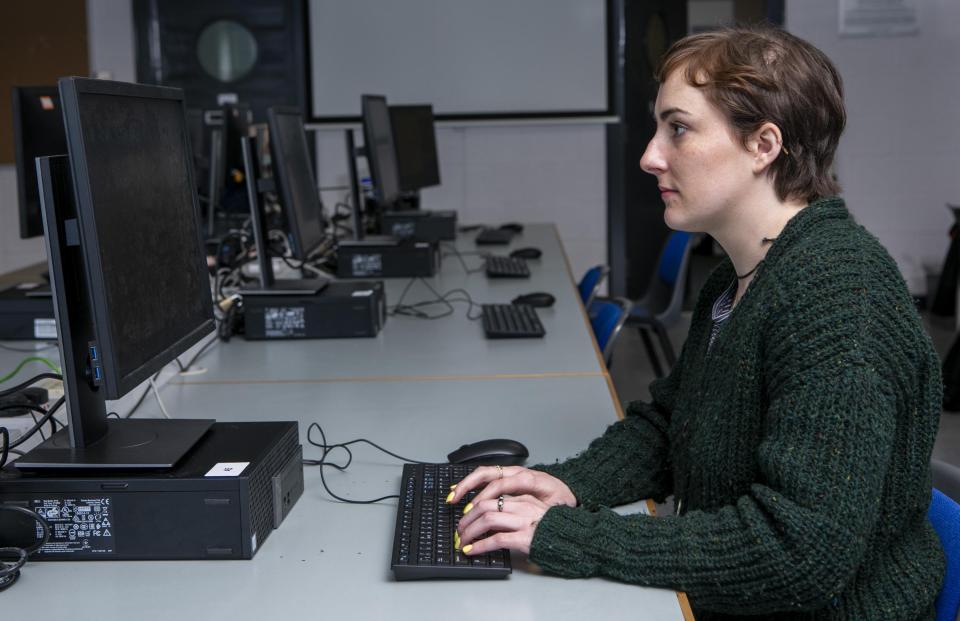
(500, 470)
(500, 503)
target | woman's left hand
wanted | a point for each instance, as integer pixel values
(510, 520)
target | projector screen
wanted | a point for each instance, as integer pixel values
(466, 57)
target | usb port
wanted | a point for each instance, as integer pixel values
(93, 353)
(96, 374)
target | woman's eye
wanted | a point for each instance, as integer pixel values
(677, 129)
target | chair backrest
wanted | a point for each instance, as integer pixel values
(944, 514)
(946, 478)
(664, 296)
(607, 316)
(590, 283)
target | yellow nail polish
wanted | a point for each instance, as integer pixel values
(456, 540)
(467, 548)
(450, 497)
(454, 486)
(467, 509)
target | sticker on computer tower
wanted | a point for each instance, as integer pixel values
(77, 525)
(228, 469)
(284, 321)
(403, 229)
(367, 264)
(45, 328)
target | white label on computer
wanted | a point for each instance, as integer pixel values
(228, 469)
(363, 293)
(45, 328)
(27, 286)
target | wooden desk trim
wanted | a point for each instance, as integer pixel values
(389, 378)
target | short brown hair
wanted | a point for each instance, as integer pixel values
(764, 74)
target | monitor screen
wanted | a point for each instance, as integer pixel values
(38, 131)
(137, 208)
(416, 146)
(293, 172)
(381, 154)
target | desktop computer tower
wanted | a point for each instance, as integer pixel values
(426, 226)
(25, 315)
(220, 502)
(341, 310)
(388, 258)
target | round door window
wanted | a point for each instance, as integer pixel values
(227, 50)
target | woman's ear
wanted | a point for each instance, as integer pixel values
(765, 145)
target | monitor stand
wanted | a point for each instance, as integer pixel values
(129, 444)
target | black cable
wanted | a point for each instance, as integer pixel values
(10, 570)
(327, 448)
(413, 310)
(4, 446)
(460, 255)
(33, 380)
(43, 436)
(7, 445)
(203, 350)
(143, 396)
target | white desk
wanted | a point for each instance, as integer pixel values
(421, 389)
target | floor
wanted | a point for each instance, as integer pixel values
(632, 373)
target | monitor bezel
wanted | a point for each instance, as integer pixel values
(115, 385)
(280, 168)
(22, 166)
(385, 202)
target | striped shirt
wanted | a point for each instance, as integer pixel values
(721, 311)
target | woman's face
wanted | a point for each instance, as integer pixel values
(702, 168)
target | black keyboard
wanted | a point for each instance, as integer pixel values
(423, 540)
(506, 267)
(511, 321)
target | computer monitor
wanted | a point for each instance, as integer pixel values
(297, 186)
(257, 186)
(416, 146)
(380, 150)
(37, 131)
(128, 271)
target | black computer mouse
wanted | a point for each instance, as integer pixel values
(538, 299)
(527, 253)
(516, 227)
(500, 452)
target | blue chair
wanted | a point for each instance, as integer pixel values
(590, 283)
(944, 514)
(662, 304)
(607, 316)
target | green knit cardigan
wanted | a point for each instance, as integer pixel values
(798, 447)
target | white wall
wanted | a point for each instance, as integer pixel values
(111, 54)
(518, 173)
(899, 159)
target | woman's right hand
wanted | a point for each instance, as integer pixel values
(513, 481)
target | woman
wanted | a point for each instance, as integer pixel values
(795, 430)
